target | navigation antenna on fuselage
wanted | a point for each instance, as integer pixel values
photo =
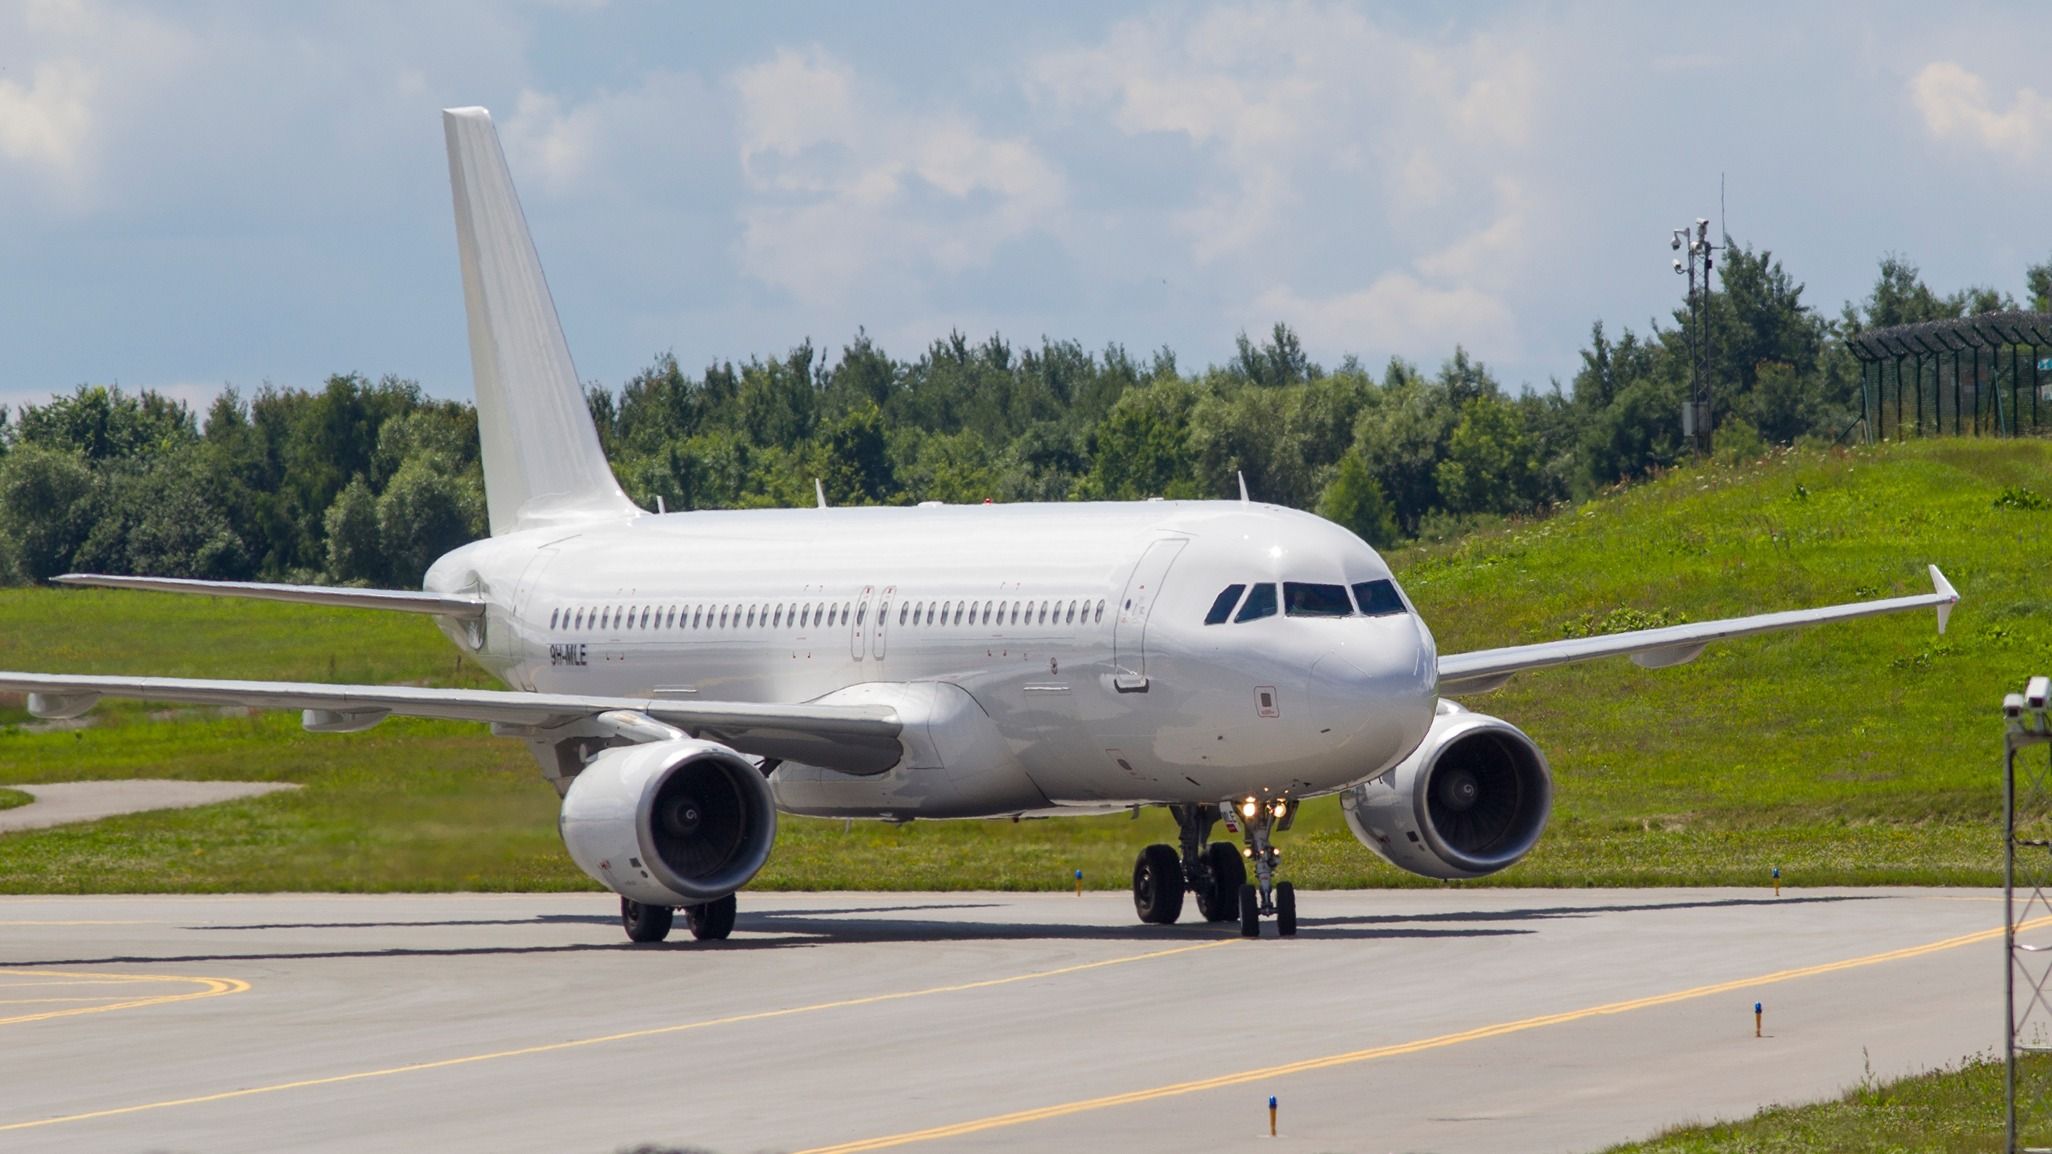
(819, 491)
(1244, 499)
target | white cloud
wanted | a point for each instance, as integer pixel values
(44, 123)
(848, 189)
(596, 146)
(1491, 251)
(1955, 104)
(1397, 311)
(1333, 149)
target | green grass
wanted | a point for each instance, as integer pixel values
(9, 798)
(1857, 753)
(1952, 1111)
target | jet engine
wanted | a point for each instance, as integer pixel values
(1470, 800)
(669, 823)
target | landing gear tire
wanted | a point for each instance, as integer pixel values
(1158, 885)
(1286, 909)
(1250, 911)
(711, 921)
(646, 923)
(1218, 900)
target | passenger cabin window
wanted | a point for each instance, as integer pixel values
(1222, 607)
(1305, 599)
(1378, 598)
(1260, 603)
(1098, 617)
(552, 617)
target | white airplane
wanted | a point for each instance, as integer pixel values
(685, 678)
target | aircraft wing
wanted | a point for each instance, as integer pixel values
(852, 738)
(1487, 669)
(404, 600)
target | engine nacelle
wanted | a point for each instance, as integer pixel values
(669, 823)
(1472, 799)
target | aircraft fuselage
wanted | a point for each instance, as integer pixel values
(1077, 633)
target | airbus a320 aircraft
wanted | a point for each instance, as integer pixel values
(685, 678)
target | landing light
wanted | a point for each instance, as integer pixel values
(1248, 808)
(1282, 809)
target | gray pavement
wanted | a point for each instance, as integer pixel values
(62, 803)
(1396, 1021)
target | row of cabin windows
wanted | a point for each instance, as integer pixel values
(707, 616)
(1305, 599)
(825, 615)
(1001, 613)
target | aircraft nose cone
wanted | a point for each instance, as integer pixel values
(1376, 698)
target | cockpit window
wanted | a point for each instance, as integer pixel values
(1304, 599)
(1378, 598)
(1223, 607)
(1260, 603)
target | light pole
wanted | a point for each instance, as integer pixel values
(1700, 255)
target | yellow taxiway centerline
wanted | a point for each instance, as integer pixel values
(208, 988)
(630, 1035)
(1441, 1041)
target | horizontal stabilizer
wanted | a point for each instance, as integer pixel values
(401, 600)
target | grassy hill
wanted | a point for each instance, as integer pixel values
(1865, 752)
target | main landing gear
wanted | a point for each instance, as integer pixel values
(709, 921)
(1217, 873)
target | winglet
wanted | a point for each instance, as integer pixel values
(1945, 590)
(1244, 499)
(819, 490)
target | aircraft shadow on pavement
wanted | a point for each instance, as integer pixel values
(1545, 913)
(783, 930)
(551, 919)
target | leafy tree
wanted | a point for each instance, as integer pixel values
(2038, 286)
(45, 507)
(1403, 437)
(103, 424)
(179, 528)
(424, 512)
(1488, 467)
(858, 465)
(355, 553)
(1141, 448)
(1354, 501)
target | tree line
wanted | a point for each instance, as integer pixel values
(367, 482)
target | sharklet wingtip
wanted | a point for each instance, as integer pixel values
(1944, 589)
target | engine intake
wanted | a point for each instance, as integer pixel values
(669, 823)
(1472, 799)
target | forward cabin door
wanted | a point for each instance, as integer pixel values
(1129, 634)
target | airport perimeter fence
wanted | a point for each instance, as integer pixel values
(1986, 375)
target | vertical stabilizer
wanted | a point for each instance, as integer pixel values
(542, 461)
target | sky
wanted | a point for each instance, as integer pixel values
(198, 195)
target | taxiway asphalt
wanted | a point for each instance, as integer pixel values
(1395, 1021)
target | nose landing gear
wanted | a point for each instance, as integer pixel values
(1217, 873)
(1264, 896)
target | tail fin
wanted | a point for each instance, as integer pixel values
(542, 461)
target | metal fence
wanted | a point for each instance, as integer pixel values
(1986, 375)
